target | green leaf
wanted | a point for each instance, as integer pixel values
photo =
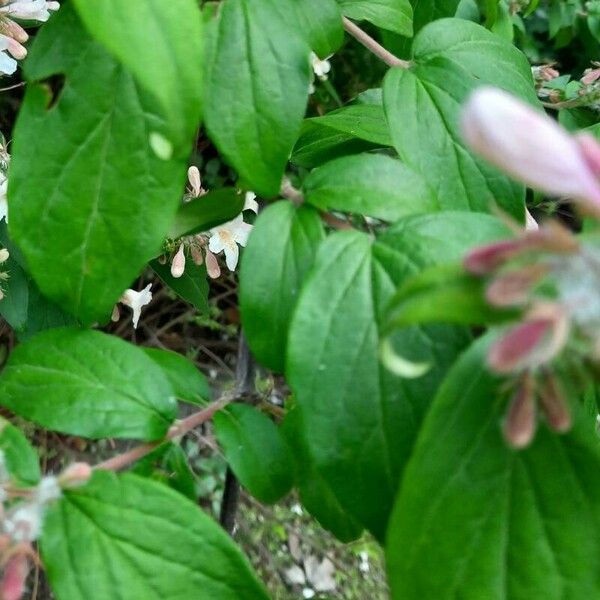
(163, 52)
(168, 464)
(20, 459)
(133, 534)
(188, 383)
(444, 294)
(428, 11)
(423, 107)
(100, 199)
(192, 286)
(24, 307)
(321, 22)
(89, 384)
(360, 421)
(349, 130)
(280, 252)
(315, 493)
(201, 214)
(395, 15)
(256, 451)
(369, 184)
(475, 519)
(255, 57)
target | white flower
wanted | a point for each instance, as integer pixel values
(31, 10)
(321, 68)
(136, 301)
(250, 202)
(48, 489)
(25, 522)
(226, 237)
(4, 255)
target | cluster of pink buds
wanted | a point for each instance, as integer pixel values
(551, 277)
(21, 520)
(12, 35)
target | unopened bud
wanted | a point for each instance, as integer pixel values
(14, 30)
(529, 146)
(590, 76)
(212, 265)
(4, 255)
(554, 404)
(75, 475)
(116, 314)
(487, 259)
(195, 181)
(513, 288)
(519, 425)
(532, 343)
(196, 253)
(12, 586)
(16, 49)
(543, 73)
(178, 263)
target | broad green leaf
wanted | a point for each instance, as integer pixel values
(163, 52)
(129, 535)
(475, 519)
(100, 199)
(188, 383)
(485, 56)
(369, 184)
(321, 22)
(23, 307)
(428, 11)
(201, 214)
(280, 252)
(443, 294)
(423, 107)
(256, 88)
(192, 286)
(88, 383)
(314, 491)
(395, 15)
(168, 464)
(360, 421)
(256, 451)
(19, 458)
(348, 130)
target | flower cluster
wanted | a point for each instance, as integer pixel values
(551, 277)
(21, 519)
(12, 35)
(224, 238)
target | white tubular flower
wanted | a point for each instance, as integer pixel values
(8, 65)
(250, 202)
(24, 524)
(529, 146)
(321, 68)
(136, 301)
(226, 237)
(30, 10)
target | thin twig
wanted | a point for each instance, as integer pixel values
(375, 47)
(13, 87)
(121, 461)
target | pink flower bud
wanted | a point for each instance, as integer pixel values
(196, 253)
(513, 288)
(532, 343)
(75, 475)
(12, 586)
(590, 76)
(14, 30)
(16, 49)
(487, 259)
(212, 265)
(590, 149)
(116, 314)
(519, 425)
(554, 404)
(529, 146)
(195, 181)
(178, 263)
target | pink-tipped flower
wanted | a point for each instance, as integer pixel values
(520, 422)
(532, 343)
(529, 146)
(178, 263)
(75, 475)
(12, 586)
